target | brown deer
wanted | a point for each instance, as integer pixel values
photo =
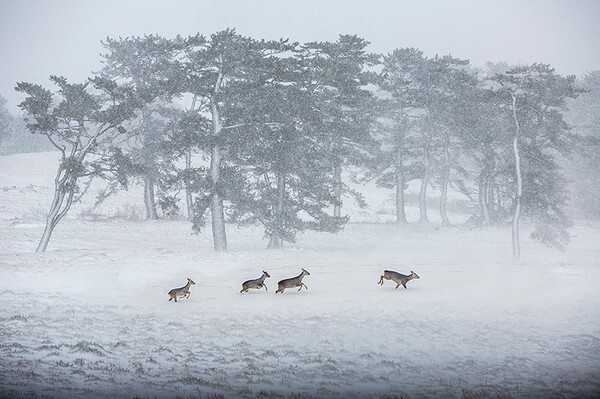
(183, 292)
(292, 282)
(256, 283)
(397, 277)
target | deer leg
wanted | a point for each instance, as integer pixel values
(380, 280)
(264, 285)
(404, 284)
(397, 285)
(304, 285)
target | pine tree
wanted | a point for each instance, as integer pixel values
(395, 162)
(584, 163)
(286, 158)
(77, 121)
(533, 99)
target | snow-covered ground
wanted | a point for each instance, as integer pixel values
(91, 318)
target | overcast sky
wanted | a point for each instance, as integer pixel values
(39, 38)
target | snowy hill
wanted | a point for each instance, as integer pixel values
(91, 317)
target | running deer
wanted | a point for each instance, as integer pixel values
(397, 277)
(256, 283)
(183, 292)
(292, 282)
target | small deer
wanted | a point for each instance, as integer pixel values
(256, 283)
(397, 277)
(183, 292)
(292, 282)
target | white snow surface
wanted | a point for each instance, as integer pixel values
(90, 318)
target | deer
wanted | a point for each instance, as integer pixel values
(183, 292)
(256, 283)
(397, 277)
(292, 282)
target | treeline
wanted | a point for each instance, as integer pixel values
(253, 131)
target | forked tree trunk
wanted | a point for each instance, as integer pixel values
(149, 200)
(423, 192)
(64, 191)
(400, 182)
(276, 241)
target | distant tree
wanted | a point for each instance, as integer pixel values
(210, 72)
(77, 119)
(336, 74)
(187, 136)
(145, 156)
(584, 115)
(286, 158)
(14, 135)
(6, 121)
(533, 99)
(215, 72)
(428, 96)
(449, 109)
(395, 162)
(145, 63)
(484, 144)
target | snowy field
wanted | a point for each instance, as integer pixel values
(90, 318)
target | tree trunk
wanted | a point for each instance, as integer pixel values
(64, 186)
(51, 220)
(149, 201)
(423, 192)
(43, 244)
(443, 214)
(276, 241)
(483, 200)
(400, 182)
(189, 202)
(337, 190)
(517, 214)
(216, 208)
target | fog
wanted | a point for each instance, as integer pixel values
(43, 38)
